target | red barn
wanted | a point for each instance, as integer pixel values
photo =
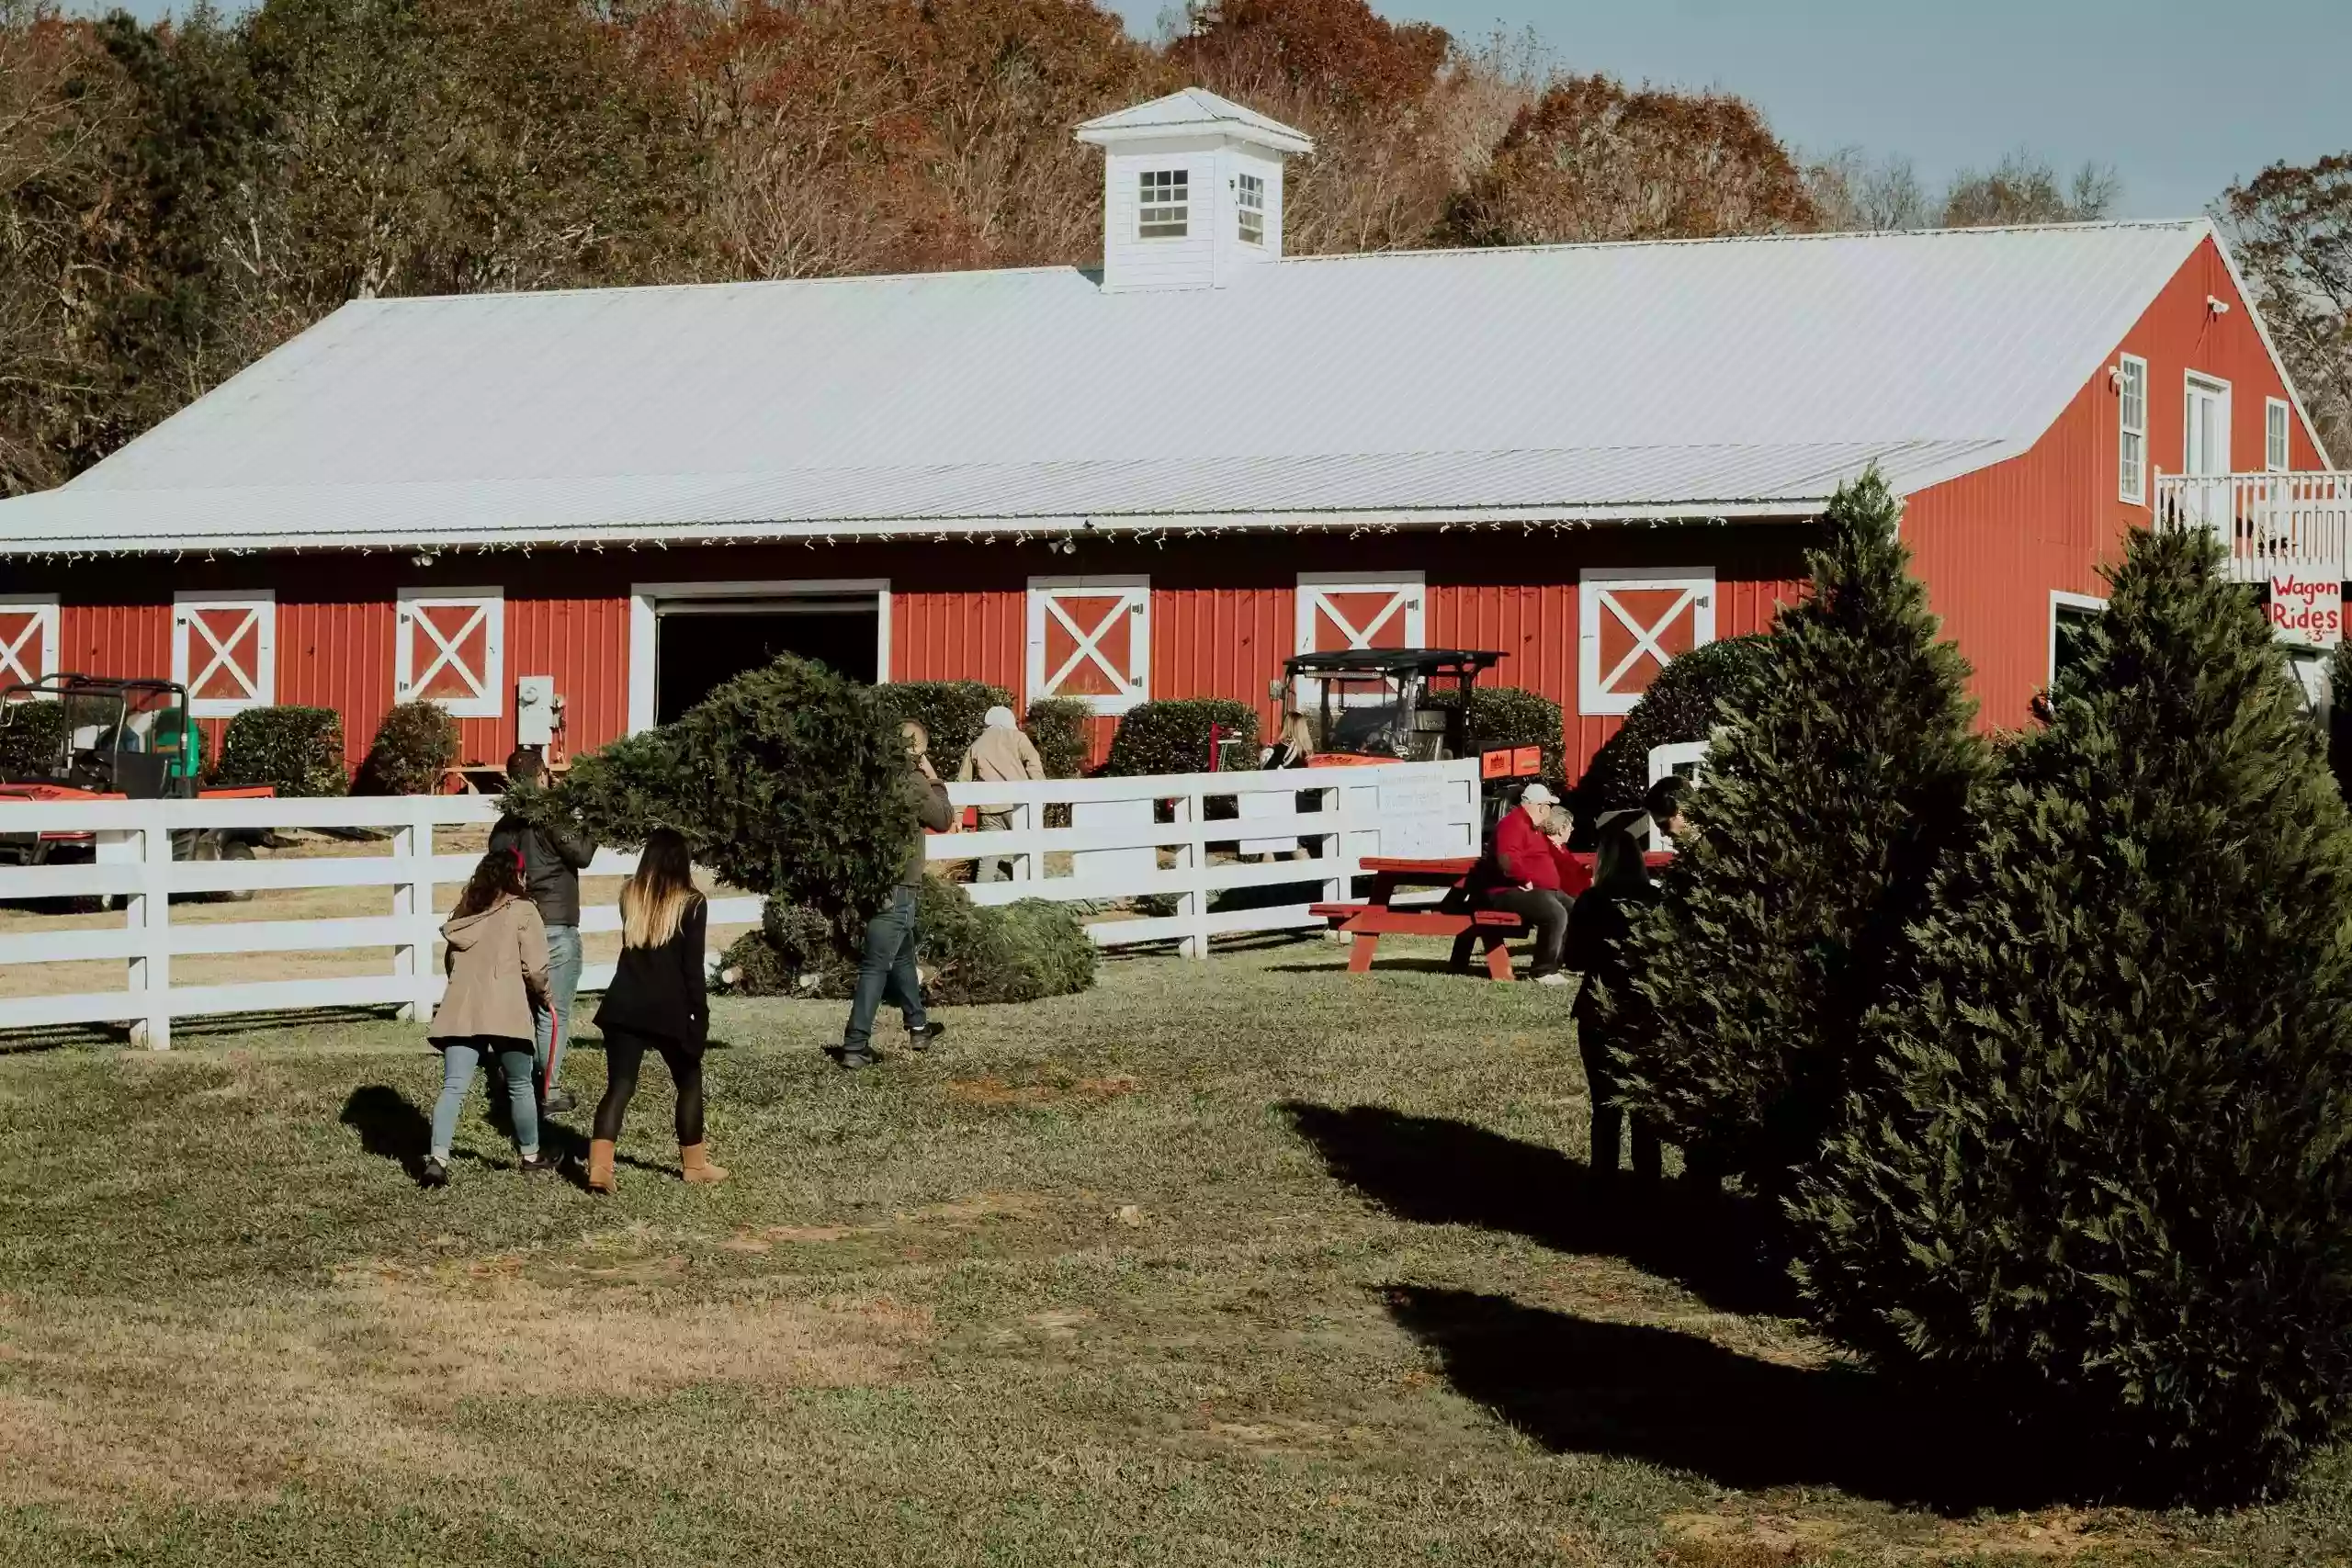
(1160, 477)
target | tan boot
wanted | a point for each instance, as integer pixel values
(696, 1157)
(600, 1165)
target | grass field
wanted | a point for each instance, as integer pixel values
(1238, 1263)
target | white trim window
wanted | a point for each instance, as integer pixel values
(1163, 204)
(2069, 614)
(1630, 623)
(1250, 207)
(2205, 426)
(1090, 637)
(2278, 423)
(1342, 609)
(449, 646)
(2131, 430)
(224, 650)
(28, 637)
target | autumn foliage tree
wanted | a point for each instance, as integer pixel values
(2293, 227)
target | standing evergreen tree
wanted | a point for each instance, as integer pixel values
(1828, 805)
(2108, 1169)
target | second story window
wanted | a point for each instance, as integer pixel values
(1250, 201)
(2132, 419)
(1164, 211)
(2275, 449)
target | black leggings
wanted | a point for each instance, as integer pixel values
(624, 1054)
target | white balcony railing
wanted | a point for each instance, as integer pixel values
(2299, 523)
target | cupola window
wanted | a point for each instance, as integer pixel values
(1250, 201)
(1165, 211)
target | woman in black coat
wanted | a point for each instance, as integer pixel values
(1597, 927)
(657, 1002)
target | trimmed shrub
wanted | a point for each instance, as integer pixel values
(416, 742)
(297, 751)
(1826, 810)
(2109, 1174)
(2339, 716)
(1511, 716)
(787, 781)
(1016, 952)
(32, 737)
(951, 712)
(1173, 736)
(1057, 728)
(1687, 701)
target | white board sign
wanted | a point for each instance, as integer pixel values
(2307, 606)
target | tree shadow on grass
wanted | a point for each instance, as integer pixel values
(1580, 1386)
(390, 1126)
(1439, 1171)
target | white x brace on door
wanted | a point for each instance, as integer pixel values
(449, 646)
(224, 650)
(1630, 623)
(1090, 637)
(28, 637)
(1343, 610)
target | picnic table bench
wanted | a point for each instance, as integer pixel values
(1374, 919)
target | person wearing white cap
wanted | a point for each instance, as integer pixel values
(1002, 754)
(1524, 850)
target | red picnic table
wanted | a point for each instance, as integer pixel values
(1374, 919)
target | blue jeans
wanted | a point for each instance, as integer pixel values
(887, 969)
(458, 1060)
(552, 1025)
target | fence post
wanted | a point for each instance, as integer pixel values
(1191, 857)
(412, 901)
(149, 910)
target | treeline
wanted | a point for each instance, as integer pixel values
(175, 199)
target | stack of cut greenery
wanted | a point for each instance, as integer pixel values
(2045, 1053)
(788, 782)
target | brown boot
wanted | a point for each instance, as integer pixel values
(600, 1165)
(696, 1157)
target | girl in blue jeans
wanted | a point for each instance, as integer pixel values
(498, 968)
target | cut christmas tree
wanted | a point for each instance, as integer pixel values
(2106, 1175)
(1827, 806)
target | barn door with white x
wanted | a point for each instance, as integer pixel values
(1341, 611)
(1630, 623)
(1090, 637)
(450, 649)
(224, 650)
(28, 637)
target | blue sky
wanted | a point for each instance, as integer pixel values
(2181, 95)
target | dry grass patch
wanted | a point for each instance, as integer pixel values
(995, 1092)
(362, 1380)
(961, 1214)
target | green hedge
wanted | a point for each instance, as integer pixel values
(951, 712)
(297, 751)
(1016, 952)
(416, 742)
(1173, 736)
(1057, 728)
(1512, 716)
(32, 737)
(1683, 704)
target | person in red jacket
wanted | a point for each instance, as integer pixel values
(1524, 853)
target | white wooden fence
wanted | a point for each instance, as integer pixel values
(134, 862)
(1115, 845)
(1113, 850)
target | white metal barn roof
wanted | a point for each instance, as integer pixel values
(1689, 380)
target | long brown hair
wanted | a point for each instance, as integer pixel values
(499, 874)
(656, 897)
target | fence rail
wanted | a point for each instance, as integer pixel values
(1113, 850)
(2299, 523)
(1116, 842)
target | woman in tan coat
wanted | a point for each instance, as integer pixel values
(498, 968)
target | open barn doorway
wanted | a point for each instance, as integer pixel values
(686, 638)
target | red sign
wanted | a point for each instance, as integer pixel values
(2307, 609)
(1494, 764)
(1526, 760)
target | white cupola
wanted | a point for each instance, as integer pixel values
(1191, 190)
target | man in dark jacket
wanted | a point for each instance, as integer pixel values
(552, 861)
(887, 966)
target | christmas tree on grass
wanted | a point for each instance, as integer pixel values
(2108, 1171)
(1828, 805)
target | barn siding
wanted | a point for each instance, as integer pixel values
(1992, 544)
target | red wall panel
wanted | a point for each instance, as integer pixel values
(1992, 544)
